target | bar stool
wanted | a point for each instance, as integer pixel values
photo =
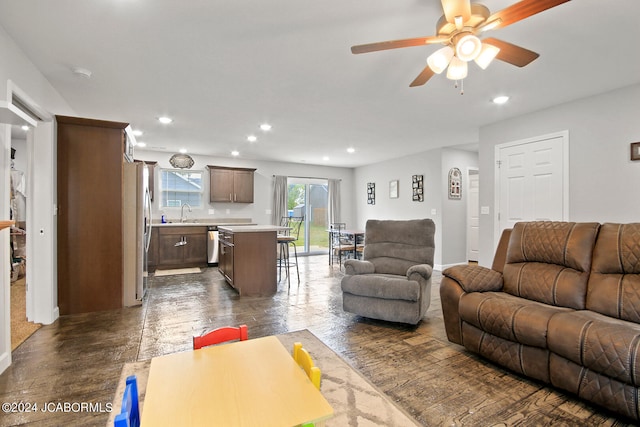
(289, 237)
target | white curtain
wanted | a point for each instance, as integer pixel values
(334, 201)
(280, 196)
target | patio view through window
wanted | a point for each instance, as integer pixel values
(309, 198)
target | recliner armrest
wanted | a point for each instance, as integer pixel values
(356, 266)
(424, 270)
(475, 278)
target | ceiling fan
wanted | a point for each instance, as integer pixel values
(458, 29)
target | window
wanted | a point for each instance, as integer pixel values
(179, 187)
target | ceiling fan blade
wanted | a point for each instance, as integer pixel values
(395, 44)
(511, 53)
(453, 8)
(423, 77)
(521, 10)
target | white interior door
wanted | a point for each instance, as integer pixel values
(473, 215)
(532, 181)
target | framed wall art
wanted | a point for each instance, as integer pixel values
(417, 188)
(393, 189)
(371, 193)
(635, 151)
(455, 184)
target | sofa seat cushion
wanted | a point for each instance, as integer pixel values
(599, 343)
(509, 317)
(385, 286)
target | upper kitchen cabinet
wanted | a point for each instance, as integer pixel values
(89, 218)
(230, 185)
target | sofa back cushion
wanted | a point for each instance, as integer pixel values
(614, 284)
(549, 262)
(393, 246)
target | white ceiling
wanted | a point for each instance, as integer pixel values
(221, 68)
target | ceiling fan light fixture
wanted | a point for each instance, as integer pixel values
(489, 25)
(459, 22)
(439, 60)
(468, 47)
(457, 69)
(486, 55)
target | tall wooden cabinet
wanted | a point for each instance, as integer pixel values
(89, 216)
(231, 185)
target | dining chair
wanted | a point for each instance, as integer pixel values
(129, 415)
(339, 243)
(285, 239)
(303, 359)
(220, 335)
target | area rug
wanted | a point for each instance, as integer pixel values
(21, 328)
(356, 402)
(176, 271)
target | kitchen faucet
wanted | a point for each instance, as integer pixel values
(183, 218)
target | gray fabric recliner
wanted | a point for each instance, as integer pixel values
(393, 281)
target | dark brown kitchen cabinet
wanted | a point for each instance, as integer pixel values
(89, 216)
(182, 246)
(230, 185)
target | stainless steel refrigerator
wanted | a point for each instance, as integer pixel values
(137, 232)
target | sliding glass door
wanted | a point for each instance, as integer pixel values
(309, 198)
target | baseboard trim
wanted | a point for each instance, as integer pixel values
(441, 267)
(5, 360)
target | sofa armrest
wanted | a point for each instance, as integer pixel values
(423, 270)
(475, 278)
(356, 266)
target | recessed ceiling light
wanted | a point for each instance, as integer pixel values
(235, 153)
(325, 158)
(141, 144)
(137, 133)
(183, 150)
(351, 150)
(500, 99)
(25, 128)
(252, 138)
(165, 120)
(265, 126)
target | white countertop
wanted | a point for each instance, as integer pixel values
(251, 228)
(198, 224)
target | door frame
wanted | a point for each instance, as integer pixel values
(564, 140)
(469, 170)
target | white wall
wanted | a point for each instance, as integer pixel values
(5, 317)
(16, 67)
(454, 211)
(450, 215)
(263, 186)
(603, 182)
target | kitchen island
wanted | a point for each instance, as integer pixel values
(247, 258)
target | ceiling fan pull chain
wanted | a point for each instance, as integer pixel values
(462, 87)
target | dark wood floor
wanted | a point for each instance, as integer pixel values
(79, 357)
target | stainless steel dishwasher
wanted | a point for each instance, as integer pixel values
(212, 245)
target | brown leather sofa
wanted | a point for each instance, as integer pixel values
(560, 304)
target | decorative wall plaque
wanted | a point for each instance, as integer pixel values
(455, 183)
(417, 182)
(371, 193)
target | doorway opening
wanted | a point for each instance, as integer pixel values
(473, 215)
(21, 327)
